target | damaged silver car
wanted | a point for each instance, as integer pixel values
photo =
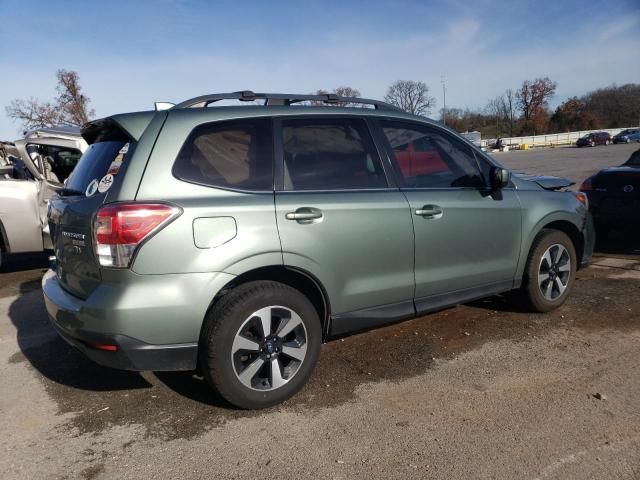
(32, 169)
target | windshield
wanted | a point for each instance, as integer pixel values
(101, 160)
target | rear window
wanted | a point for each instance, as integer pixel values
(236, 155)
(100, 162)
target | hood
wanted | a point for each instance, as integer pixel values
(547, 182)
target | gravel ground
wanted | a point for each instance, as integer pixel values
(483, 390)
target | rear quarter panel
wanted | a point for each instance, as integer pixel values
(173, 250)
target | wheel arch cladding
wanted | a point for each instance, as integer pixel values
(572, 232)
(303, 281)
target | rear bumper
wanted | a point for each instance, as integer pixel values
(143, 328)
(131, 354)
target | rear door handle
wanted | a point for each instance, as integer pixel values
(304, 215)
(430, 211)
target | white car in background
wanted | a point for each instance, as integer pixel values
(32, 169)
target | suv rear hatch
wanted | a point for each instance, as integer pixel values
(95, 178)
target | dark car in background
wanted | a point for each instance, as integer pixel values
(627, 136)
(593, 139)
(614, 197)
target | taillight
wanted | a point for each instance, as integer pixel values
(121, 227)
(586, 185)
(582, 198)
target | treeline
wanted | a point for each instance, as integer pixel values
(526, 112)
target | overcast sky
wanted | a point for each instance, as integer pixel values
(130, 54)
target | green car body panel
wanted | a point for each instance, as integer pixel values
(371, 258)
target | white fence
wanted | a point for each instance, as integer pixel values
(551, 139)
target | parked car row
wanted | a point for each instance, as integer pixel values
(604, 138)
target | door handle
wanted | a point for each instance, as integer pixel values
(304, 215)
(430, 211)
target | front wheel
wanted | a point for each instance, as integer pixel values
(260, 344)
(550, 271)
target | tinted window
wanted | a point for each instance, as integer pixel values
(330, 154)
(425, 158)
(98, 160)
(235, 155)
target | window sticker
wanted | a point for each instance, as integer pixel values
(114, 168)
(92, 188)
(105, 183)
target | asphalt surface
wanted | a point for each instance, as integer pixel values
(574, 163)
(483, 390)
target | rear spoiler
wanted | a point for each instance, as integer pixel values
(123, 127)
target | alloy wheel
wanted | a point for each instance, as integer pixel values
(554, 272)
(269, 348)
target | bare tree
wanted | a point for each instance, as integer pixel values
(509, 107)
(70, 107)
(33, 113)
(411, 96)
(70, 98)
(495, 109)
(343, 91)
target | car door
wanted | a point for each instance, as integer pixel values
(467, 241)
(340, 220)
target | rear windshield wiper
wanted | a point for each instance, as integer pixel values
(68, 192)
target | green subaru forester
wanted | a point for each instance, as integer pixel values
(236, 239)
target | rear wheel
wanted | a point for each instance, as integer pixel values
(550, 271)
(260, 344)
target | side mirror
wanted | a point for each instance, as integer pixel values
(500, 178)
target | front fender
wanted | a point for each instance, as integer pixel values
(544, 208)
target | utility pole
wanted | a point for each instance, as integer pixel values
(444, 100)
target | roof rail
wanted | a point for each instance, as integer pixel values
(280, 99)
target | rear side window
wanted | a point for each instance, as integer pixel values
(236, 155)
(330, 154)
(426, 158)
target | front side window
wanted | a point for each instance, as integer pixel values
(330, 154)
(235, 155)
(426, 158)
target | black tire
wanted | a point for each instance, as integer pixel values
(532, 290)
(224, 321)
